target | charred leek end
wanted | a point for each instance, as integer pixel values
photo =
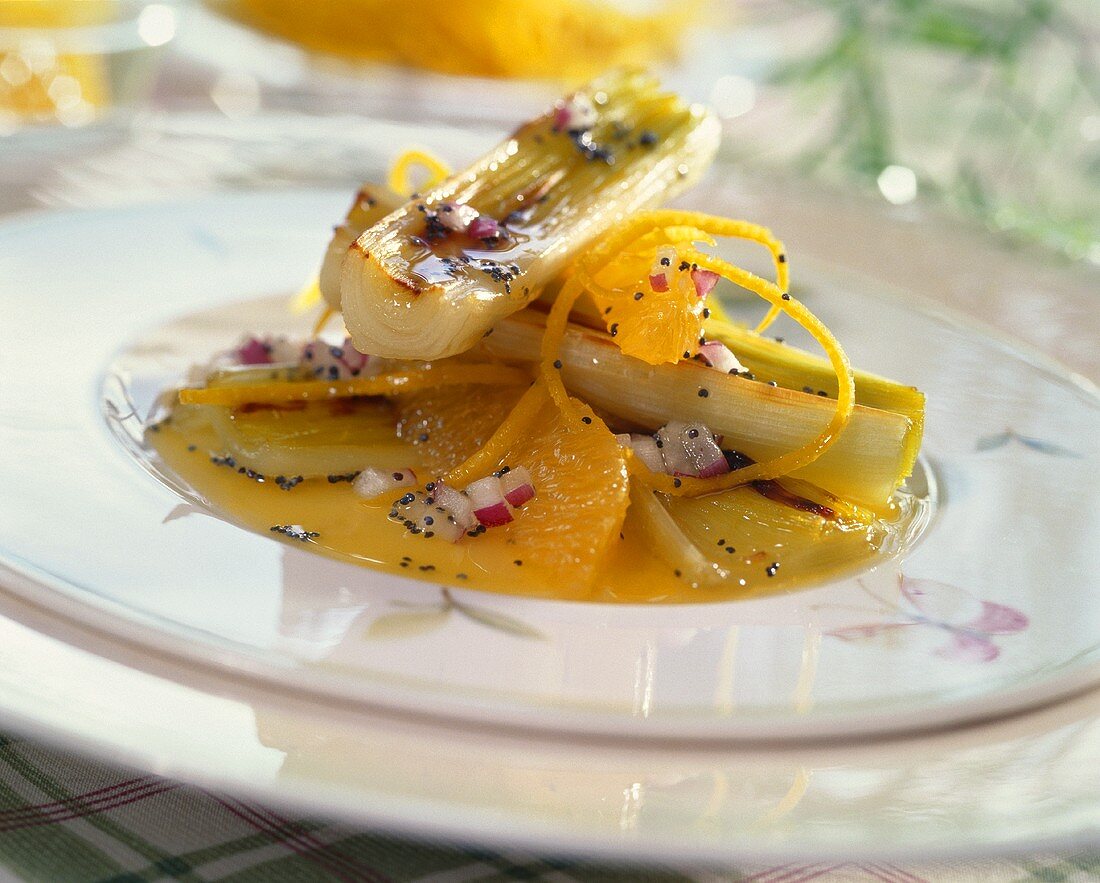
(371, 204)
(873, 455)
(435, 276)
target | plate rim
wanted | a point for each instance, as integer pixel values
(447, 823)
(131, 628)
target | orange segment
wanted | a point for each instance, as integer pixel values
(659, 327)
(654, 326)
(581, 494)
(446, 426)
(579, 472)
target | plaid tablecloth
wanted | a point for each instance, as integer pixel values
(65, 818)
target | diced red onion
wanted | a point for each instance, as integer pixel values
(253, 352)
(645, 449)
(371, 482)
(663, 264)
(494, 516)
(334, 362)
(689, 449)
(518, 486)
(520, 494)
(673, 454)
(455, 216)
(483, 228)
(718, 355)
(414, 510)
(704, 280)
(282, 349)
(457, 503)
(422, 515)
(266, 350)
(487, 497)
(684, 449)
(582, 112)
(575, 112)
(703, 451)
(437, 520)
(317, 357)
(443, 525)
(485, 492)
(354, 360)
(716, 467)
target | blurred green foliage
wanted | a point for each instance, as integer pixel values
(995, 104)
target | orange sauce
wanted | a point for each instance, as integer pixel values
(777, 546)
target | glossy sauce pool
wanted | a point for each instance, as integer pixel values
(339, 523)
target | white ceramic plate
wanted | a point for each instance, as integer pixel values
(990, 613)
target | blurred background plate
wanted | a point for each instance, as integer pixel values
(847, 93)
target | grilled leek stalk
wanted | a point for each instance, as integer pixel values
(314, 441)
(783, 528)
(797, 369)
(873, 455)
(371, 204)
(412, 288)
(787, 366)
(668, 542)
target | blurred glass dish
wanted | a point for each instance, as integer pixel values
(844, 92)
(70, 62)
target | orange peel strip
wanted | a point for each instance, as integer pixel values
(394, 383)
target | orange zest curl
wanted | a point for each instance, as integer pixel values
(799, 457)
(645, 231)
(400, 178)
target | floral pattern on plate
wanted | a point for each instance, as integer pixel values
(970, 625)
(417, 619)
(1031, 442)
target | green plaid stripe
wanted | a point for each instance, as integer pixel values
(65, 819)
